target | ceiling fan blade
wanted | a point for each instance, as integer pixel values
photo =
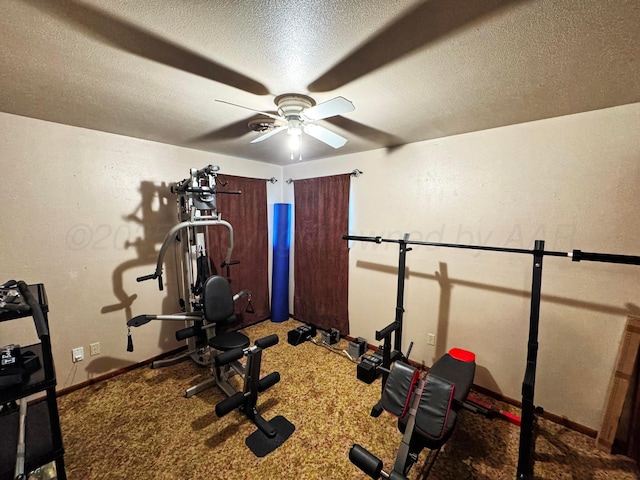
(131, 38)
(270, 133)
(330, 108)
(325, 135)
(415, 28)
(270, 115)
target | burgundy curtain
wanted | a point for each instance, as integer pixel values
(321, 258)
(247, 214)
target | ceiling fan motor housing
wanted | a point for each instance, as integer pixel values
(292, 104)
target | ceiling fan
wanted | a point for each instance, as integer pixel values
(297, 114)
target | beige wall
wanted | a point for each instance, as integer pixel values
(67, 194)
(572, 181)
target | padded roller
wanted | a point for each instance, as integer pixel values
(268, 341)
(229, 404)
(365, 461)
(188, 332)
(268, 381)
(228, 357)
(140, 320)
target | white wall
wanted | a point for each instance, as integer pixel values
(67, 196)
(571, 181)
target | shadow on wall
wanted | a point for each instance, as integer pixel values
(447, 283)
(155, 215)
(105, 364)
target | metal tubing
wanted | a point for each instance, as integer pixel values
(402, 262)
(170, 237)
(525, 451)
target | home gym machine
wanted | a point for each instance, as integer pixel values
(207, 303)
(197, 210)
(527, 438)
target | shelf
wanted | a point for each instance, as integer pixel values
(37, 381)
(40, 295)
(43, 438)
(39, 450)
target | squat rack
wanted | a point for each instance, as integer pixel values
(527, 440)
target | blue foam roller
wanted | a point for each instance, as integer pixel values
(280, 273)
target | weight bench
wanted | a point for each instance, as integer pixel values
(427, 409)
(226, 351)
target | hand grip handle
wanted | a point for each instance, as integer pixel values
(146, 277)
(579, 255)
(362, 239)
(140, 320)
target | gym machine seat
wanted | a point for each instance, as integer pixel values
(427, 409)
(229, 348)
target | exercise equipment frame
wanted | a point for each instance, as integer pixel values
(527, 440)
(197, 210)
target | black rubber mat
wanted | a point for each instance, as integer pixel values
(261, 445)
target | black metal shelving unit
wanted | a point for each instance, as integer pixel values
(43, 436)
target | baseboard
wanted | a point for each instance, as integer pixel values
(565, 422)
(119, 371)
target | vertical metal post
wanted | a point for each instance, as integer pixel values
(387, 356)
(527, 443)
(402, 261)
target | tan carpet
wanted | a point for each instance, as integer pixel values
(138, 425)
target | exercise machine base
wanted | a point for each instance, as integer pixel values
(261, 445)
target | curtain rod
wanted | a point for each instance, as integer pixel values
(355, 173)
(270, 180)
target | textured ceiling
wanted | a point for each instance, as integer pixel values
(415, 70)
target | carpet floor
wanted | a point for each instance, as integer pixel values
(139, 425)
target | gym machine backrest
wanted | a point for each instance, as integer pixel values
(426, 407)
(218, 310)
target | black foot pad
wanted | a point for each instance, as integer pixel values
(261, 445)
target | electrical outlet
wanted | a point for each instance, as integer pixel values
(431, 339)
(94, 348)
(77, 354)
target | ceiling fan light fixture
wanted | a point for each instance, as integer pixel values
(294, 127)
(294, 142)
